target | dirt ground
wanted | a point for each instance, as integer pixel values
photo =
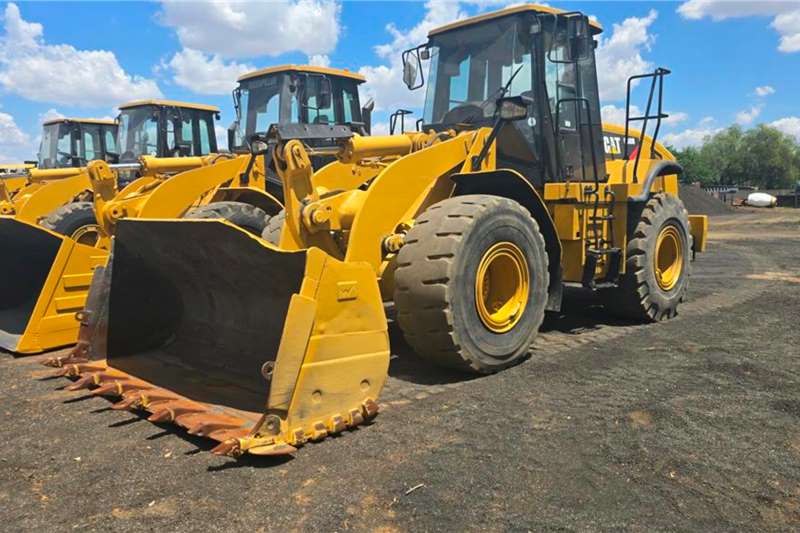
(692, 424)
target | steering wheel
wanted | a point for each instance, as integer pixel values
(464, 114)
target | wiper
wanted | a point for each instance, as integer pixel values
(502, 90)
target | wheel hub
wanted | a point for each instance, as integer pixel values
(668, 259)
(88, 235)
(502, 287)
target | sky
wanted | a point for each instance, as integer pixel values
(732, 62)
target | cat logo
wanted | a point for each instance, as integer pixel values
(613, 144)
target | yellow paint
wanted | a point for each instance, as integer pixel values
(344, 73)
(502, 287)
(699, 228)
(534, 8)
(168, 103)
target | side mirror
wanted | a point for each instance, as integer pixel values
(581, 43)
(409, 74)
(232, 129)
(513, 108)
(366, 115)
(259, 144)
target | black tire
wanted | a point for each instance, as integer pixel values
(435, 283)
(272, 232)
(639, 295)
(248, 217)
(75, 220)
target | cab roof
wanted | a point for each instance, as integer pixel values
(101, 121)
(536, 8)
(342, 73)
(169, 103)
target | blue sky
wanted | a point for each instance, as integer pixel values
(732, 62)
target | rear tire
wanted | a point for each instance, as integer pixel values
(272, 231)
(248, 217)
(471, 283)
(75, 220)
(657, 266)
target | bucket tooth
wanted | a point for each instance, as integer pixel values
(356, 417)
(112, 388)
(278, 448)
(223, 435)
(336, 424)
(129, 401)
(369, 408)
(173, 411)
(61, 362)
(85, 382)
(207, 427)
(230, 447)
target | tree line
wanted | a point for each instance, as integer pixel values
(761, 157)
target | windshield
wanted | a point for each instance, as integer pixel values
(258, 105)
(138, 133)
(306, 107)
(470, 67)
(55, 151)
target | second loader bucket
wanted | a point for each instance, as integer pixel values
(222, 333)
(44, 279)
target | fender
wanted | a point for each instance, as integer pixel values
(249, 195)
(512, 185)
(178, 193)
(660, 168)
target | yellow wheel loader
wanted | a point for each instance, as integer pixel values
(49, 233)
(67, 145)
(167, 168)
(470, 227)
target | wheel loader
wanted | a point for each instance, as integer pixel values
(467, 234)
(168, 167)
(49, 234)
(67, 145)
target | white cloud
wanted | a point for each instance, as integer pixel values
(620, 56)
(747, 116)
(707, 121)
(764, 90)
(50, 114)
(15, 144)
(384, 82)
(788, 26)
(616, 115)
(689, 137)
(320, 60)
(789, 126)
(247, 29)
(786, 15)
(676, 118)
(205, 74)
(61, 73)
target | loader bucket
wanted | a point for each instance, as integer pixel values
(44, 278)
(222, 333)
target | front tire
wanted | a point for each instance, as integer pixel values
(248, 217)
(75, 220)
(658, 265)
(471, 283)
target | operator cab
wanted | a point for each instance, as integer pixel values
(543, 55)
(295, 94)
(165, 128)
(73, 142)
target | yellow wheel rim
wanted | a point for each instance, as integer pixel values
(88, 235)
(668, 260)
(502, 287)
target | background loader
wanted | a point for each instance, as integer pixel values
(168, 168)
(67, 145)
(471, 227)
(51, 239)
